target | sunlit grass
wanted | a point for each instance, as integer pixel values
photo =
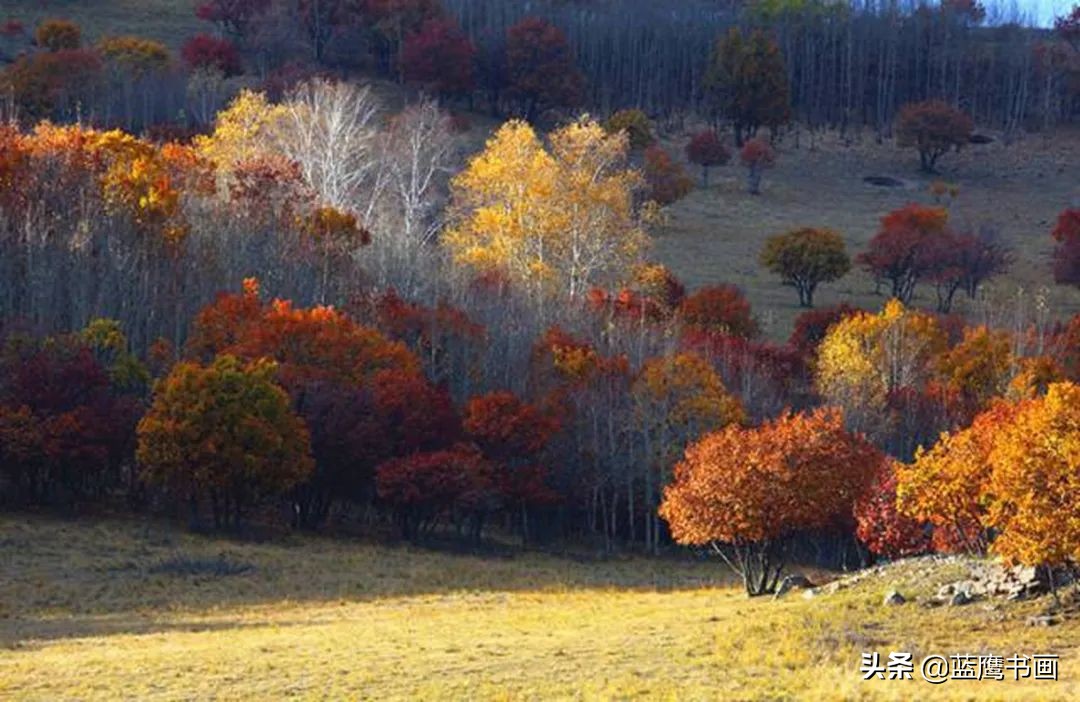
(90, 610)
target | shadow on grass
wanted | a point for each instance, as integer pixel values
(71, 578)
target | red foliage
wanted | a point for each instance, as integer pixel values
(507, 429)
(812, 325)
(66, 430)
(706, 149)
(51, 81)
(1067, 252)
(879, 525)
(907, 247)
(205, 51)
(439, 57)
(424, 486)
(232, 16)
(756, 153)
(666, 178)
(720, 308)
(540, 67)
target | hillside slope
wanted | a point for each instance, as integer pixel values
(115, 610)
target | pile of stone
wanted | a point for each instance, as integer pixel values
(989, 579)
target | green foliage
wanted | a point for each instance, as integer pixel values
(803, 258)
(225, 432)
(746, 81)
(635, 123)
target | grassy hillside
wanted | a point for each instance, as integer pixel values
(114, 610)
(168, 21)
(716, 234)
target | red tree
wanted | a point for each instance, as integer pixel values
(540, 67)
(719, 308)
(231, 16)
(205, 51)
(906, 247)
(665, 177)
(1067, 252)
(757, 156)
(439, 57)
(884, 529)
(706, 150)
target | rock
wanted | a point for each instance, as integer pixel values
(792, 582)
(980, 139)
(1042, 620)
(946, 591)
(892, 597)
(810, 594)
(883, 181)
(960, 598)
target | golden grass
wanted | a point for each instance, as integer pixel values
(85, 615)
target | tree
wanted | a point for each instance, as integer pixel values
(223, 432)
(635, 123)
(233, 17)
(811, 326)
(881, 526)
(745, 491)
(135, 55)
(424, 487)
(747, 82)
(945, 486)
(1067, 252)
(562, 220)
(1034, 480)
(804, 258)
(757, 156)
(933, 127)
(907, 247)
(512, 434)
(867, 358)
(203, 51)
(540, 67)
(719, 308)
(58, 35)
(439, 57)
(667, 180)
(979, 367)
(706, 150)
(964, 261)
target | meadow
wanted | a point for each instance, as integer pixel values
(132, 609)
(716, 233)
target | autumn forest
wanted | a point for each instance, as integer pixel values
(386, 270)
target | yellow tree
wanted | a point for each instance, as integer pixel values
(554, 220)
(677, 399)
(1034, 484)
(865, 357)
(243, 131)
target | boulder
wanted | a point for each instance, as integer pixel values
(892, 597)
(793, 582)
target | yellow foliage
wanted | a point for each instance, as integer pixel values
(555, 220)
(1034, 485)
(866, 356)
(242, 131)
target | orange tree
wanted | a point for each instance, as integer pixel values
(946, 484)
(932, 127)
(745, 491)
(224, 433)
(1034, 481)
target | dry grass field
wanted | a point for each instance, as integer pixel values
(716, 234)
(99, 609)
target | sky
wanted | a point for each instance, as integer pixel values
(1043, 11)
